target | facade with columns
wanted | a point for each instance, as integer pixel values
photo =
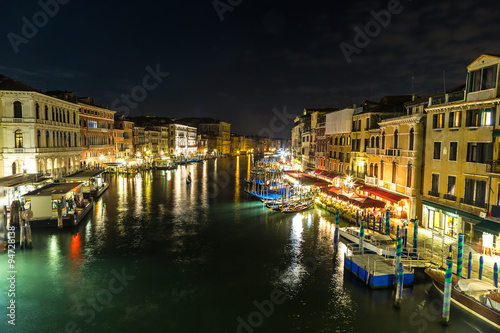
(39, 133)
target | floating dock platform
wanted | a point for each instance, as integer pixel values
(376, 271)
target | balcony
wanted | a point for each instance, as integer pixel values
(371, 181)
(475, 203)
(393, 152)
(320, 154)
(450, 197)
(410, 153)
(493, 167)
(433, 194)
(372, 151)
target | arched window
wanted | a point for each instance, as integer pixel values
(412, 140)
(336, 140)
(47, 136)
(383, 140)
(377, 142)
(409, 175)
(74, 117)
(18, 109)
(371, 170)
(375, 171)
(75, 141)
(381, 170)
(395, 141)
(349, 140)
(53, 115)
(38, 139)
(63, 116)
(18, 138)
(37, 111)
(394, 171)
(46, 112)
(372, 143)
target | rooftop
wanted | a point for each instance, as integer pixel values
(53, 189)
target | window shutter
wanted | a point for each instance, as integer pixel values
(494, 78)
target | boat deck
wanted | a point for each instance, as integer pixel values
(375, 270)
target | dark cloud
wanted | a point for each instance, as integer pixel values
(264, 55)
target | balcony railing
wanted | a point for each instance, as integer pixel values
(433, 194)
(450, 197)
(372, 151)
(371, 181)
(410, 153)
(475, 203)
(493, 167)
(393, 152)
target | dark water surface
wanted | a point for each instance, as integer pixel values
(158, 256)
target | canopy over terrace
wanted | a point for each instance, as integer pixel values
(324, 175)
(355, 199)
(19, 184)
(306, 180)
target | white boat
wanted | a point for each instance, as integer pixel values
(377, 243)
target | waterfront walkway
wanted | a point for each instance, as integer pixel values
(431, 246)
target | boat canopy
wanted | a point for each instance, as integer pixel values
(474, 285)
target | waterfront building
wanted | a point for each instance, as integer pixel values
(461, 187)
(39, 133)
(152, 140)
(139, 141)
(237, 144)
(301, 125)
(365, 121)
(318, 140)
(182, 140)
(249, 144)
(218, 133)
(338, 127)
(395, 160)
(124, 147)
(96, 130)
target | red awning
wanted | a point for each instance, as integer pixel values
(395, 198)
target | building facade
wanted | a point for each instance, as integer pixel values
(96, 131)
(461, 191)
(39, 133)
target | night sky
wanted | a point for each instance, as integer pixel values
(263, 55)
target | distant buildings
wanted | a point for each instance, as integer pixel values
(56, 133)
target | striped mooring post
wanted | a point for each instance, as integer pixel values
(397, 233)
(380, 224)
(399, 289)
(336, 235)
(460, 254)
(362, 235)
(387, 223)
(405, 235)
(357, 218)
(481, 264)
(495, 275)
(398, 254)
(447, 289)
(415, 237)
(469, 268)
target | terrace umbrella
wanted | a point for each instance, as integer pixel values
(366, 202)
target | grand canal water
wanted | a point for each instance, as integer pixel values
(158, 256)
